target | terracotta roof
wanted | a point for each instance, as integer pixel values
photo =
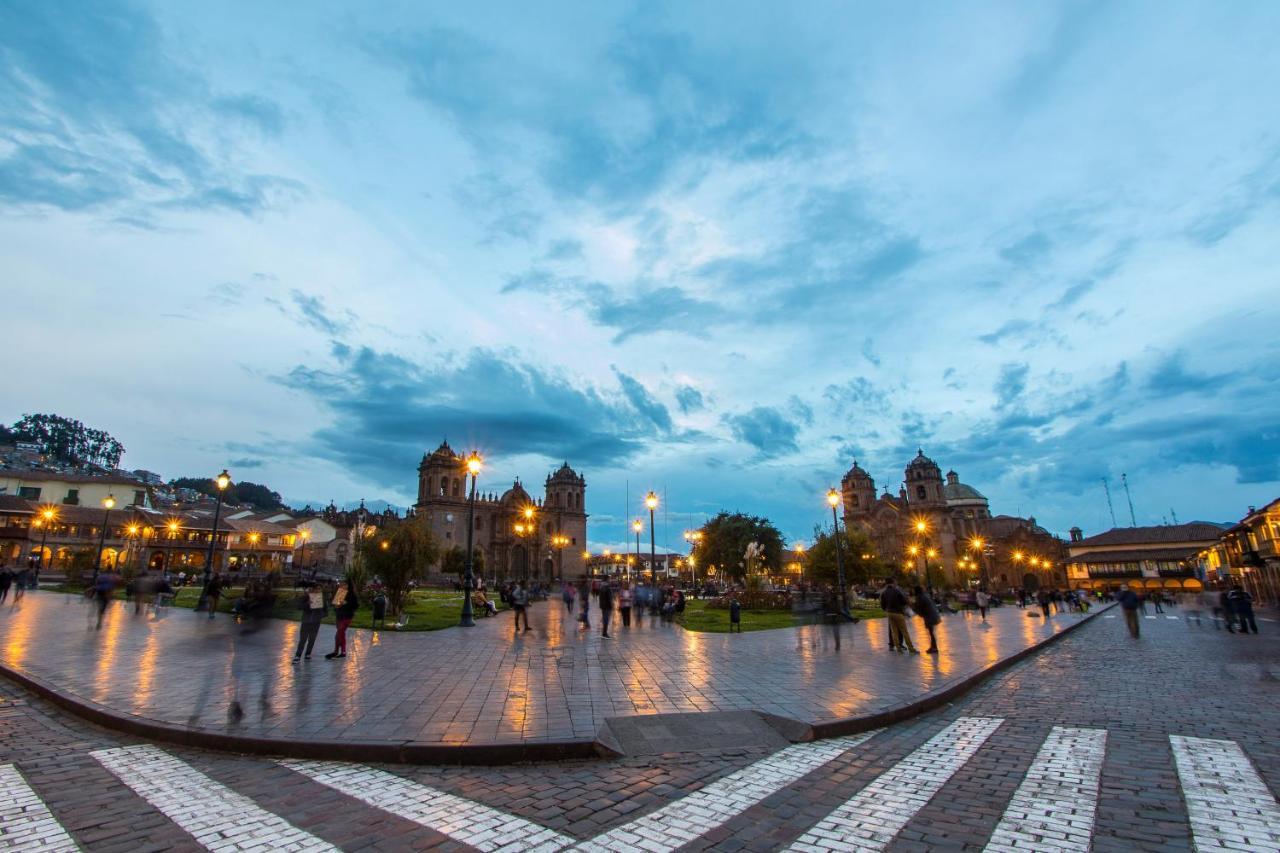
(1192, 531)
(69, 477)
(250, 525)
(1134, 555)
(13, 503)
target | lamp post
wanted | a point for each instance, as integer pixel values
(833, 498)
(651, 501)
(47, 517)
(133, 531)
(221, 481)
(303, 535)
(637, 526)
(473, 465)
(976, 544)
(109, 501)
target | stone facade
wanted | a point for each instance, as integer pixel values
(507, 553)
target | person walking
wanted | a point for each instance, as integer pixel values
(605, 601)
(520, 606)
(104, 588)
(584, 604)
(1157, 599)
(735, 616)
(625, 599)
(928, 613)
(1042, 598)
(984, 601)
(1190, 604)
(211, 593)
(566, 593)
(1129, 603)
(893, 601)
(1242, 607)
(313, 608)
(345, 603)
(6, 581)
(1228, 609)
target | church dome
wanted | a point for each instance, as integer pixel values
(958, 491)
(516, 495)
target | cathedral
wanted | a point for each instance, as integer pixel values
(928, 512)
(518, 536)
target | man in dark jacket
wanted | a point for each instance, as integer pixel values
(1129, 604)
(1242, 608)
(893, 601)
(928, 612)
(606, 608)
(313, 607)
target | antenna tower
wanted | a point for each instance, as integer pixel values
(1124, 478)
(1106, 488)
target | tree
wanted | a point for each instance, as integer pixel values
(68, 440)
(454, 561)
(820, 560)
(400, 556)
(725, 540)
(257, 496)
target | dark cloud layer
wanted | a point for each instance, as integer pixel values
(386, 410)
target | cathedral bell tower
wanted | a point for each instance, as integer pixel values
(857, 492)
(441, 477)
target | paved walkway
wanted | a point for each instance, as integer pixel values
(482, 685)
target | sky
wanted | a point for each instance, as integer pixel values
(717, 250)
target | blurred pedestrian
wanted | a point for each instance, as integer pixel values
(6, 581)
(984, 601)
(605, 600)
(1129, 603)
(928, 613)
(313, 608)
(212, 593)
(735, 616)
(103, 590)
(625, 598)
(1242, 608)
(584, 604)
(345, 604)
(520, 606)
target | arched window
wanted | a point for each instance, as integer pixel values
(853, 500)
(920, 492)
(444, 487)
(457, 487)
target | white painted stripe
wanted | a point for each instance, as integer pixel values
(872, 817)
(462, 820)
(216, 816)
(1109, 616)
(677, 824)
(25, 821)
(1229, 804)
(1054, 806)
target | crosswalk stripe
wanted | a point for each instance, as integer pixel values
(872, 817)
(25, 821)
(216, 816)
(698, 813)
(1229, 805)
(1055, 804)
(462, 820)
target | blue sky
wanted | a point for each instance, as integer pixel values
(717, 250)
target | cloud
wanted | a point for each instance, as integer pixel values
(689, 399)
(1027, 251)
(1011, 384)
(869, 353)
(98, 115)
(766, 429)
(385, 409)
(563, 250)
(263, 113)
(643, 401)
(244, 462)
(316, 316)
(1171, 378)
(856, 398)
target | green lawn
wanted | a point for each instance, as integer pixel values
(428, 609)
(698, 617)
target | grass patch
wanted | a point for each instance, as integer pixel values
(699, 617)
(427, 609)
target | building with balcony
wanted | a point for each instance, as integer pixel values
(1249, 553)
(1145, 558)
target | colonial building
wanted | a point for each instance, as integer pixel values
(1248, 553)
(942, 527)
(517, 535)
(1159, 557)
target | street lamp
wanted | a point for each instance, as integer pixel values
(47, 517)
(303, 535)
(109, 501)
(976, 545)
(833, 498)
(473, 464)
(651, 501)
(221, 481)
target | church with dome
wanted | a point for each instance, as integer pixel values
(518, 536)
(953, 515)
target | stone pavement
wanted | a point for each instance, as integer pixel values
(1099, 742)
(482, 685)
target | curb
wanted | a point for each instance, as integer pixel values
(857, 725)
(411, 752)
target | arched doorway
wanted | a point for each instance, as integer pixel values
(548, 569)
(520, 562)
